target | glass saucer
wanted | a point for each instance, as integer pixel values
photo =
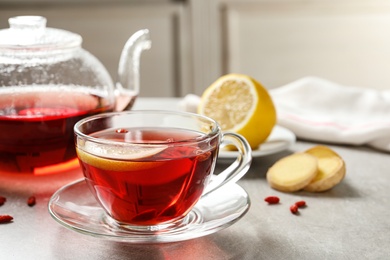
(74, 207)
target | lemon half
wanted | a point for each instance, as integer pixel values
(242, 105)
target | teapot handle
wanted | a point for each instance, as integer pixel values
(128, 84)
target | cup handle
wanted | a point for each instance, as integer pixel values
(238, 168)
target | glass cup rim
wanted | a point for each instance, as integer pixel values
(216, 130)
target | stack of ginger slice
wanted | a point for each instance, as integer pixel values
(315, 170)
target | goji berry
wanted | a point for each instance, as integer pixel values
(300, 204)
(121, 131)
(272, 200)
(294, 209)
(5, 219)
(31, 201)
(2, 200)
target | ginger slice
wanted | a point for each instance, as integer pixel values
(293, 172)
(331, 169)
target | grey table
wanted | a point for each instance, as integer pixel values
(351, 221)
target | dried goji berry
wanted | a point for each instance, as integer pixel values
(31, 201)
(2, 200)
(272, 199)
(300, 204)
(294, 209)
(122, 131)
(5, 218)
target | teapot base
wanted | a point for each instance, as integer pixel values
(58, 168)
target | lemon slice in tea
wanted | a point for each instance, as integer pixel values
(118, 157)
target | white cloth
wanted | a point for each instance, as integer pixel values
(189, 103)
(317, 109)
(320, 110)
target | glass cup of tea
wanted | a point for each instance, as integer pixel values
(147, 169)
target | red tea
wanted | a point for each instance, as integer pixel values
(36, 126)
(159, 186)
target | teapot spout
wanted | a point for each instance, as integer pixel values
(128, 85)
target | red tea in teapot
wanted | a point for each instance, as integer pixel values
(36, 125)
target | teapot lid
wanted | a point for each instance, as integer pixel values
(30, 33)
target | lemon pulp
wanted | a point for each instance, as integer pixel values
(240, 104)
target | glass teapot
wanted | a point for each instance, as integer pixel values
(47, 83)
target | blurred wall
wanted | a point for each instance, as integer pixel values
(196, 41)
